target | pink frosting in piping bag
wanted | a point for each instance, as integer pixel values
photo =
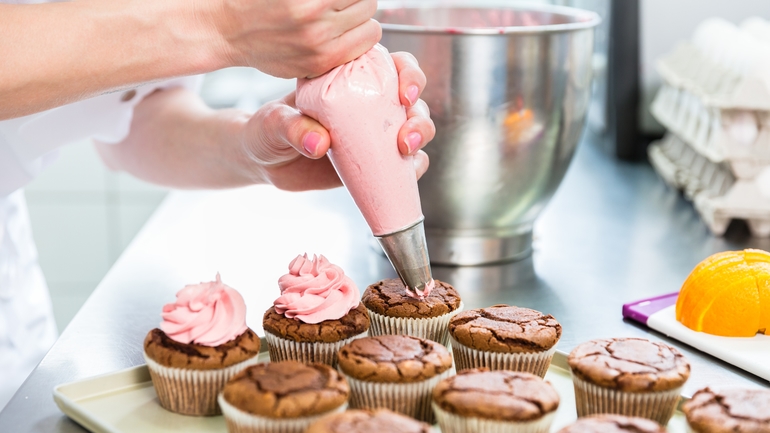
(315, 290)
(359, 104)
(208, 314)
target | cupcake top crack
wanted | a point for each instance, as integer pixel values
(368, 421)
(613, 424)
(729, 410)
(389, 298)
(630, 364)
(505, 329)
(394, 358)
(287, 389)
(170, 353)
(497, 395)
(329, 331)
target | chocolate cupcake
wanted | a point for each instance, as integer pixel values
(628, 376)
(396, 372)
(317, 313)
(282, 397)
(729, 411)
(613, 424)
(202, 342)
(368, 421)
(504, 337)
(394, 312)
(479, 400)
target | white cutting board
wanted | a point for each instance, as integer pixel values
(751, 354)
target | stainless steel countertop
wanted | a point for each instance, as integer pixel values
(613, 233)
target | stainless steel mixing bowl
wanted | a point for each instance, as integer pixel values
(508, 88)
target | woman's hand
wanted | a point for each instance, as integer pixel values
(289, 149)
(291, 38)
(176, 140)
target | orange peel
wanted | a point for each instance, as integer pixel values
(728, 294)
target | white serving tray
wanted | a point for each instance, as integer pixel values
(750, 353)
(125, 402)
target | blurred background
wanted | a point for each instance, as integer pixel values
(84, 216)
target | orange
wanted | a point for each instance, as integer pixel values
(518, 125)
(728, 294)
(701, 278)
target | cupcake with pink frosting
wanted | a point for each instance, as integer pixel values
(202, 342)
(318, 312)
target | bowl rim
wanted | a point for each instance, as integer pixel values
(589, 19)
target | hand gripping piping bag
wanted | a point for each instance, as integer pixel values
(358, 103)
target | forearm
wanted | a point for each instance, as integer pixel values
(177, 141)
(57, 53)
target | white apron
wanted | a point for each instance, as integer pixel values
(27, 145)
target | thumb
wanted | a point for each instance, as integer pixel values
(304, 133)
(279, 134)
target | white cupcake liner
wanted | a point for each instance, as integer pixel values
(592, 399)
(431, 328)
(283, 349)
(451, 423)
(531, 362)
(192, 392)
(239, 421)
(411, 399)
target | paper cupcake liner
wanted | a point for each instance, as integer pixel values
(239, 421)
(192, 392)
(282, 349)
(451, 423)
(591, 399)
(431, 328)
(533, 362)
(411, 399)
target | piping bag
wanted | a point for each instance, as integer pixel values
(358, 103)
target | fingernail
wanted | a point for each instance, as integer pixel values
(413, 141)
(310, 142)
(411, 94)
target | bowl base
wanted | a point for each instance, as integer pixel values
(476, 250)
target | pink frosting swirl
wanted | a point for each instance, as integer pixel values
(208, 314)
(425, 291)
(316, 290)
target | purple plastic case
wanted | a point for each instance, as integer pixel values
(640, 311)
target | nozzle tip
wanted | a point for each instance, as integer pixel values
(407, 251)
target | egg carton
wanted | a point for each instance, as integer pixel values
(714, 84)
(745, 201)
(740, 137)
(725, 65)
(716, 94)
(718, 196)
(683, 168)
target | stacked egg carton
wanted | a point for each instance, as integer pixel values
(715, 104)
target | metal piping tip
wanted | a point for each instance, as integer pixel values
(407, 251)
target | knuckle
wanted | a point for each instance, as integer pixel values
(318, 64)
(304, 13)
(420, 109)
(377, 30)
(431, 125)
(425, 108)
(371, 8)
(409, 57)
(317, 34)
(273, 119)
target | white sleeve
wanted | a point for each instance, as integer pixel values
(27, 144)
